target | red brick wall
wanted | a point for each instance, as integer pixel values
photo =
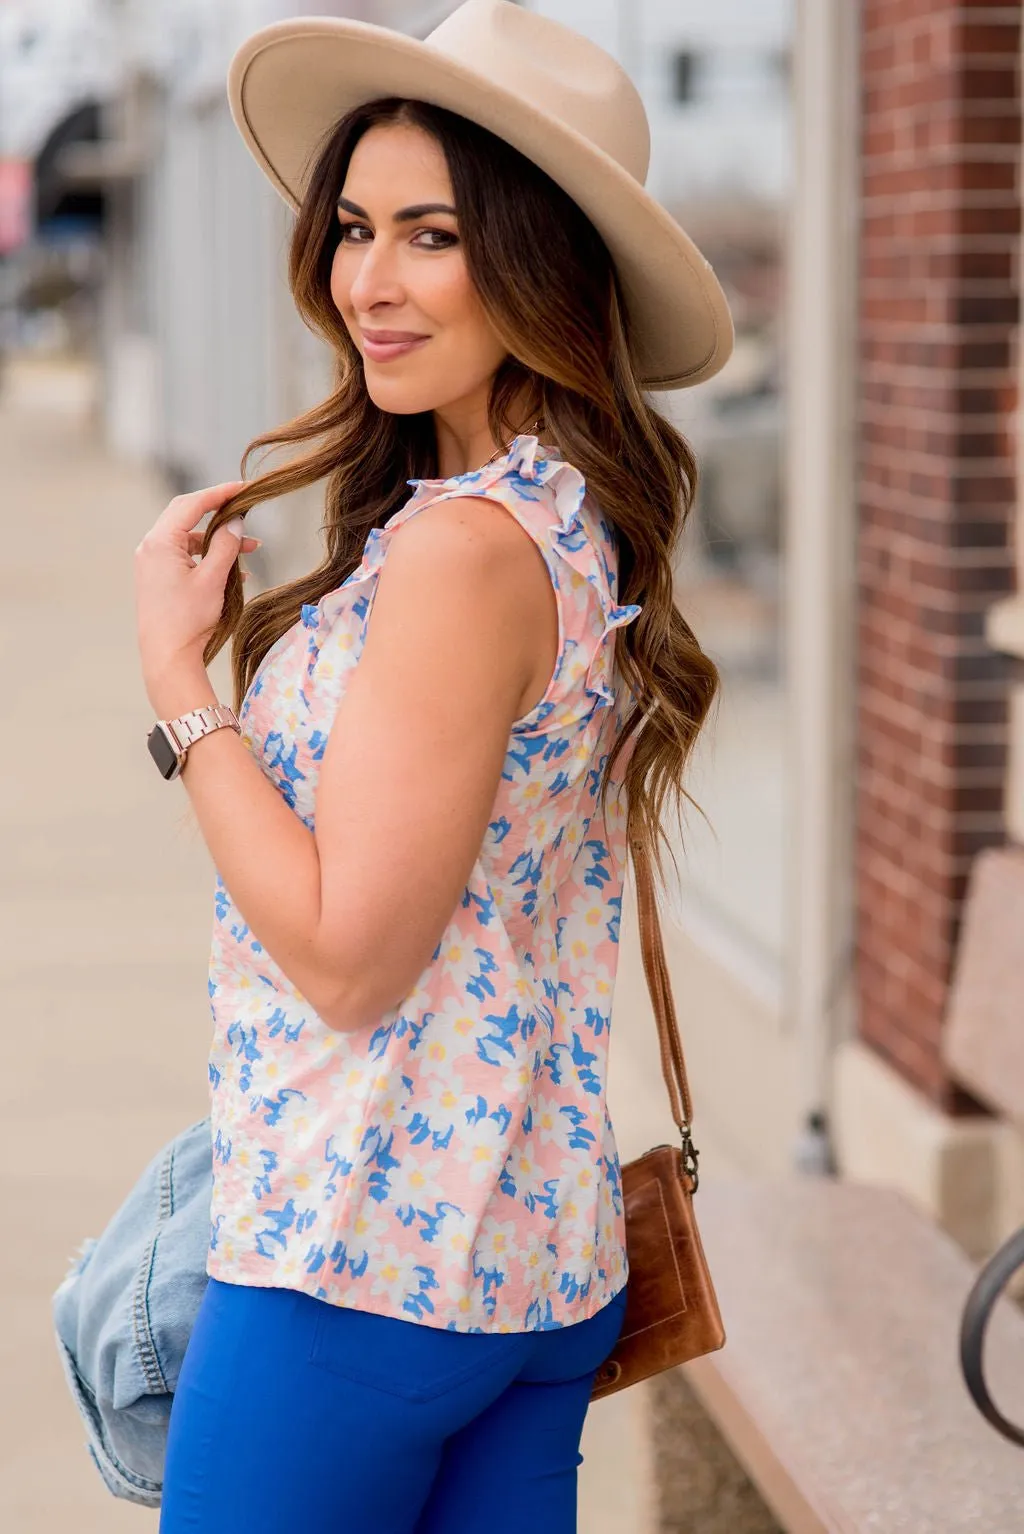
(938, 306)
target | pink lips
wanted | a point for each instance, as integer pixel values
(383, 345)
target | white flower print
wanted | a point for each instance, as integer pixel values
(436, 1110)
(526, 1176)
(453, 1244)
(496, 1244)
(595, 993)
(366, 1236)
(515, 1082)
(549, 1126)
(393, 1276)
(484, 1152)
(589, 916)
(535, 1257)
(578, 1195)
(416, 1184)
(452, 1028)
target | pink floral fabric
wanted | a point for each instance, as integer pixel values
(455, 1164)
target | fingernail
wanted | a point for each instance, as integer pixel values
(235, 525)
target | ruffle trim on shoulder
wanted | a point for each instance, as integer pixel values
(573, 541)
(378, 538)
(529, 474)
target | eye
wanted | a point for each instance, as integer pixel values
(444, 236)
(345, 228)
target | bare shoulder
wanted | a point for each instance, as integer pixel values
(472, 542)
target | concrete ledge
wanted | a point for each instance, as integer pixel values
(951, 1169)
(839, 1385)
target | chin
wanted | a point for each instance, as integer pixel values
(398, 396)
(394, 402)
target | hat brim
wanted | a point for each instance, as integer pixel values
(292, 81)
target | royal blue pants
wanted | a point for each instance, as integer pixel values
(293, 1414)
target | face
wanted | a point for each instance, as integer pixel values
(400, 282)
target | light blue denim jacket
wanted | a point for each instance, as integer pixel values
(125, 1311)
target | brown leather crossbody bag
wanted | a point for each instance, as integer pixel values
(672, 1312)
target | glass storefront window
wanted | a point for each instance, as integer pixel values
(715, 81)
(716, 85)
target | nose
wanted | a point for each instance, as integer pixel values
(376, 279)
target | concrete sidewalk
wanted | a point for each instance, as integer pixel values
(106, 906)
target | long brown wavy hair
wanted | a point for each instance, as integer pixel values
(570, 368)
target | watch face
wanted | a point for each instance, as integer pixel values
(162, 752)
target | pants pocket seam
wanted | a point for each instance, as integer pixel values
(406, 1392)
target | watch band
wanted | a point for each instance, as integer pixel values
(170, 739)
(190, 727)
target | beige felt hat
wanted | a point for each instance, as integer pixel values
(553, 94)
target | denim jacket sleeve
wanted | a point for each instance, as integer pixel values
(124, 1313)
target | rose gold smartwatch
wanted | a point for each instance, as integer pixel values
(169, 739)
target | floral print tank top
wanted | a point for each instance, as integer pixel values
(456, 1163)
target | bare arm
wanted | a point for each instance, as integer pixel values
(462, 619)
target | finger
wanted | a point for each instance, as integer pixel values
(195, 543)
(225, 547)
(185, 511)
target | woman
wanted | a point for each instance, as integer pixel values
(416, 1258)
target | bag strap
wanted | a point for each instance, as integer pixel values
(652, 949)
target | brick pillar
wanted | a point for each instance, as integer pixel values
(937, 318)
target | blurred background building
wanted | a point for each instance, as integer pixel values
(853, 172)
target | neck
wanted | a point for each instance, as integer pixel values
(462, 448)
(464, 440)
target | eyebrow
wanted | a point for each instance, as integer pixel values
(418, 210)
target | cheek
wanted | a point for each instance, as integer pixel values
(344, 274)
(445, 291)
(457, 308)
(341, 281)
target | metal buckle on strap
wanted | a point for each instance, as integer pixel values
(691, 1156)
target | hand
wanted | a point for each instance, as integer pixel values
(178, 602)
